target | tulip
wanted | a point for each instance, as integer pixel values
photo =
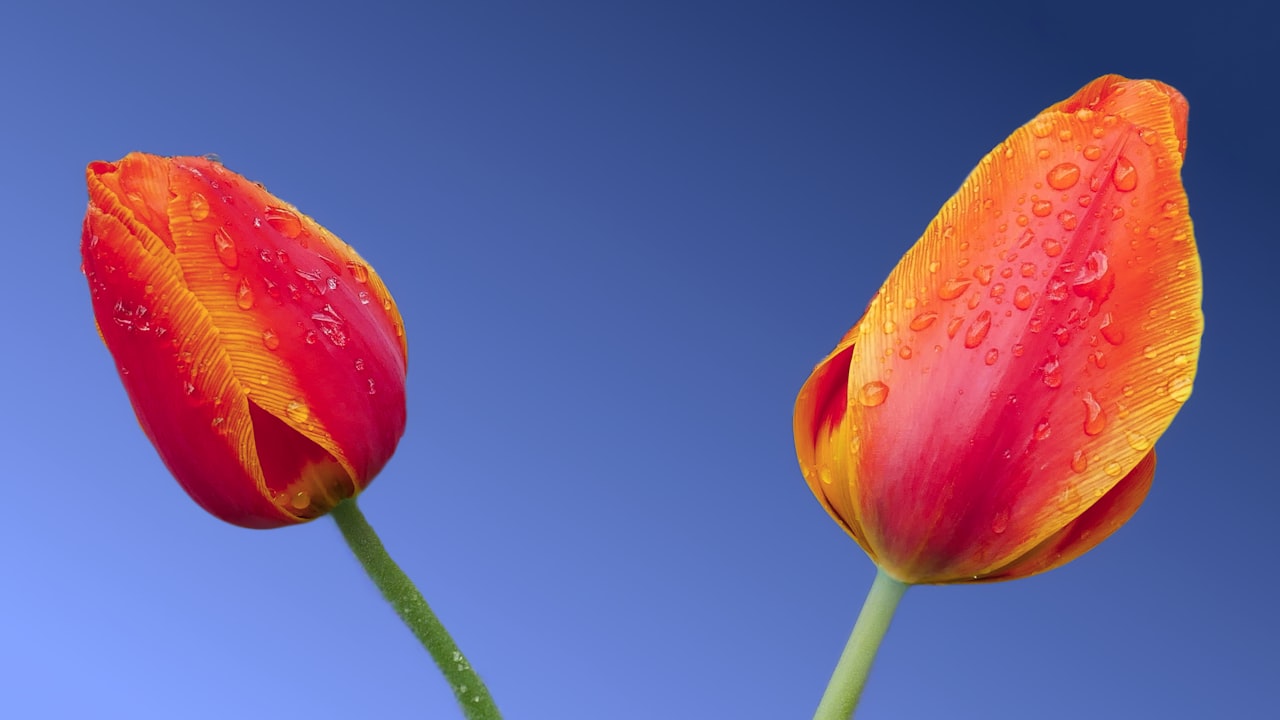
(992, 414)
(264, 359)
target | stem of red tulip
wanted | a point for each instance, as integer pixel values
(409, 604)
(850, 675)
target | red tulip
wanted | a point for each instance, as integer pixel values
(993, 413)
(264, 359)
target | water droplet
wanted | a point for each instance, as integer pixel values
(1092, 152)
(1052, 372)
(923, 320)
(1138, 441)
(1095, 420)
(953, 326)
(1079, 462)
(1042, 430)
(358, 271)
(1041, 127)
(310, 337)
(1110, 331)
(904, 352)
(364, 297)
(889, 327)
(1041, 208)
(372, 391)
(873, 393)
(1000, 522)
(953, 288)
(1179, 388)
(1056, 291)
(244, 295)
(1068, 220)
(298, 411)
(992, 356)
(225, 247)
(1063, 176)
(983, 274)
(1149, 352)
(1125, 176)
(1023, 297)
(198, 206)
(934, 265)
(300, 500)
(1051, 246)
(978, 330)
(284, 221)
(1028, 270)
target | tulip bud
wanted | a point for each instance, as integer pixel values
(264, 359)
(993, 413)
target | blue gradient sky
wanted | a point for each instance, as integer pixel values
(620, 235)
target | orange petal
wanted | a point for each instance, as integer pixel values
(1091, 527)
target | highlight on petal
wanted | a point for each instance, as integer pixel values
(1029, 350)
(265, 359)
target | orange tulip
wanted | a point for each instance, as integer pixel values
(264, 359)
(993, 413)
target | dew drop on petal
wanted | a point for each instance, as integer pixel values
(1051, 246)
(300, 500)
(1023, 297)
(1138, 441)
(1125, 175)
(225, 247)
(198, 206)
(873, 393)
(358, 271)
(1041, 208)
(1112, 333)
(1063, 176)
(953, 288)
(298, 411)
(1042, 430)
(285, 222)
(1052, 370)
(992, 356)
(270, 340)
(1179, 388)
(1095, 420)
(1092, 152)
(953, 326)
(244, 294)
(923, 320)
(978, 329)
(1079, 462)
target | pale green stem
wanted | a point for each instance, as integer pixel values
(850, 676)
(399, 590)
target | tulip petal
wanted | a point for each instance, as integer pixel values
(1092, 526)
(1028, 351)
(288, 296)
(180, 387)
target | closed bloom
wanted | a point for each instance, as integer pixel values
(993, 413)
(264, 359)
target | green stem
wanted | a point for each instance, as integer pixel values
(845, 687)
(399, 590)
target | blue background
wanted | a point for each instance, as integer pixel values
(621, 234)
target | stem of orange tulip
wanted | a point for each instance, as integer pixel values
(850, 675)
(409, 604)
